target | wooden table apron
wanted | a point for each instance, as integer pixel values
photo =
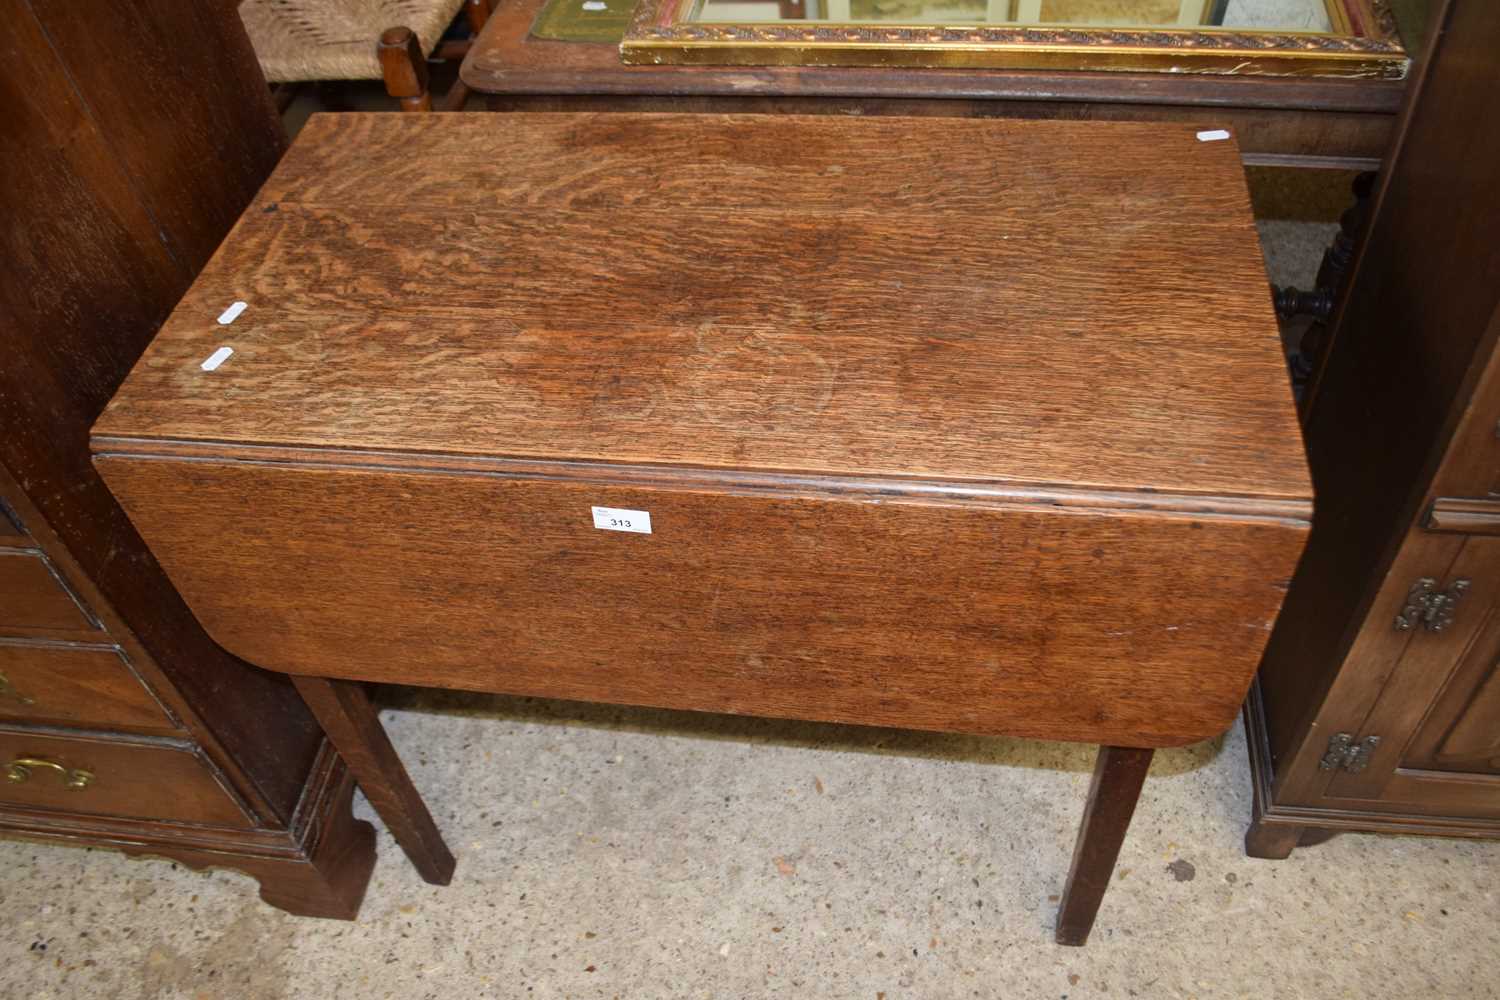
(968, 507)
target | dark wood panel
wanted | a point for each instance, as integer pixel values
(68, 684)
(1417, 328)
(212, 124)
(1471, 742)
(881, 609)
(88, 284)
(1347, 140)
(111, 114)
(34, 596)
(134, 134)
(11, 533)
(1460, 731)
(1469, 516)
(1471, 468)
(1406, 695)
(139, 779)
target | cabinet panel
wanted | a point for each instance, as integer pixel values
(1438, 716)
(1462, 732)
(86, 774)
(10, 528)
(68, 684)
(1472, 743)
(33, 596)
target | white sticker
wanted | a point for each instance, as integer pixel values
(231, 314)
(1213, 135)
(216, 359)
(594, 5)
(615, 519)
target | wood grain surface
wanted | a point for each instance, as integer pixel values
(59, 683)
(1125, 627)
(34, 596)
(143, 777)
(943, 424)
(996, 301)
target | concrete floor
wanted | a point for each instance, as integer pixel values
(622, 853)
(628, 853)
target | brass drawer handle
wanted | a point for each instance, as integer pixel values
(9, 691)
(19, 770)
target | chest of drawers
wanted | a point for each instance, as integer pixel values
(122, 724)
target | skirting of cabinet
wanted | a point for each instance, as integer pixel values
(1298, 818)
(318, 867)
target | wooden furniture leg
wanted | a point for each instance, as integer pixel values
(1276, 841)
(351, 722)
(404, 68)
(1272, 841)
(1118, 775)
(478, 14)
(324, 876)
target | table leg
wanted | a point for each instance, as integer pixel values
(1118, 775)
(353, 726)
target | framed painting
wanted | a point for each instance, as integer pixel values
(1348, 38)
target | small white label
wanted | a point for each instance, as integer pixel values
(1213, 135)
(615, 519)
(216, 359)
(231, 314)
(594, 5)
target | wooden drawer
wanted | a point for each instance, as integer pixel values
(75, 685)
(99, 775)
(32, 596)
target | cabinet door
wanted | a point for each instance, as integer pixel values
(1461, 734)
(1438, 715)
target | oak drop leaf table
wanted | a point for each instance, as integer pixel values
(948, 424)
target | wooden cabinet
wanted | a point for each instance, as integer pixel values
(1378, 702)
(133, 136)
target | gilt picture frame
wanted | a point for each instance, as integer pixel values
(1362, 43)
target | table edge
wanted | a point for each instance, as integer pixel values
(1287, 511)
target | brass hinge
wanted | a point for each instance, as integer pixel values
(1430, 607)
(1344, 753)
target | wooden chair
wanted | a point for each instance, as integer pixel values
(301, 41)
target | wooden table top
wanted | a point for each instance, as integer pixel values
(1078, 305)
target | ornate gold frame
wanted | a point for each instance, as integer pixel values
(1365, 45)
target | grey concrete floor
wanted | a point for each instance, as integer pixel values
(629, 853)
(608, 852)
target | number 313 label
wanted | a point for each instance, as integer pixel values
(616, 519)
